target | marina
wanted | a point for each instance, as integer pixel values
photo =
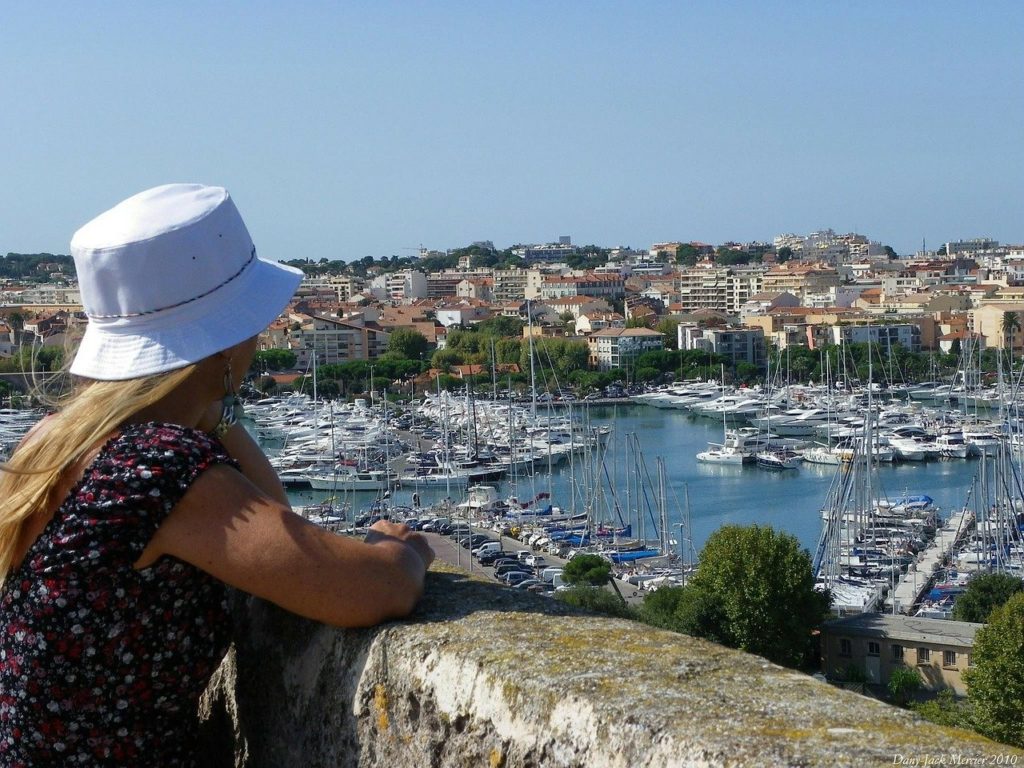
(644, 483)
(632, 483)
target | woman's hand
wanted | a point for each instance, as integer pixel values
(383, 531)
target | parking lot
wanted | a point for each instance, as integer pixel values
(449, 550)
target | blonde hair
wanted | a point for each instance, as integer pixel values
(86, 417)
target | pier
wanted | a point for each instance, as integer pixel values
(907, 592)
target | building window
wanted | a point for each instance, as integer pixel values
(845, 649)
(970, 659)
(897, 653)
(924, 656)
(874, 649)
(949, 658)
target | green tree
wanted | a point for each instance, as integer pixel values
(686, 255)
(589, 570)
(501, 326)
(944, 709)
(599, 600)
(763, 582)
(995, 683)
(659, 607)
(903, 683)
(407, 343)
(669, 326)
(985, 592)
(444, 359)
(785, 253)
(730, 256)
(273, 360)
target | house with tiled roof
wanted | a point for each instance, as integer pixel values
(476, 288)
(596, 321)
(576, 305)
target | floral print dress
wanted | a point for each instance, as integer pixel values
(102, 663)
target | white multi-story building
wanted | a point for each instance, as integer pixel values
(547, 252)
(516, 284)
(973, 247)
(406, 284)
(907, 335)
(704, 288)
(736, 345)
(617, 347)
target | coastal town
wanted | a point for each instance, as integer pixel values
(736, 300)
(786, 344)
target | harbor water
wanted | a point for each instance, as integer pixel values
(714, 495)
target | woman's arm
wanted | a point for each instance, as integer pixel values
(253, 462)
(226, 526)
(250, 457)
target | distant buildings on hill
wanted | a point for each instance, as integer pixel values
(735, 299)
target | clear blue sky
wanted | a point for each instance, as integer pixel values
(346, 129)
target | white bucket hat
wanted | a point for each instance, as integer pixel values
(168, 277)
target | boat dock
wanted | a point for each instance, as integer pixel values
(907, 592)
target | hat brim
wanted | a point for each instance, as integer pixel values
(116, 350)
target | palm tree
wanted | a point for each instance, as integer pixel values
(1011, 323)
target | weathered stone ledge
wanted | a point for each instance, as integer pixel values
(484, 676)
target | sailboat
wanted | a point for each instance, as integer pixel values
(775, 459)
(730, 451)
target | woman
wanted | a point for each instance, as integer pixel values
(124, 515)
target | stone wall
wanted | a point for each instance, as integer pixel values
(484, 676)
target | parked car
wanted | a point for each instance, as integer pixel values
(488, 546)
(548, 574)
(492, 556)
(536, 561)
(527, 583)
(515, 577)
(474, 541)
(501, 570)
(522, 554)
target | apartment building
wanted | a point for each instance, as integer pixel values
(516, 284)
(797, 278)
(404, 285)
(704, 287)
(743, 284)
(736, 345)
(618, 347)
(599, 286)
(444, 284)
(906, 335)
(989, 321)
(335, 341)
(548, 252)
(972, 247)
